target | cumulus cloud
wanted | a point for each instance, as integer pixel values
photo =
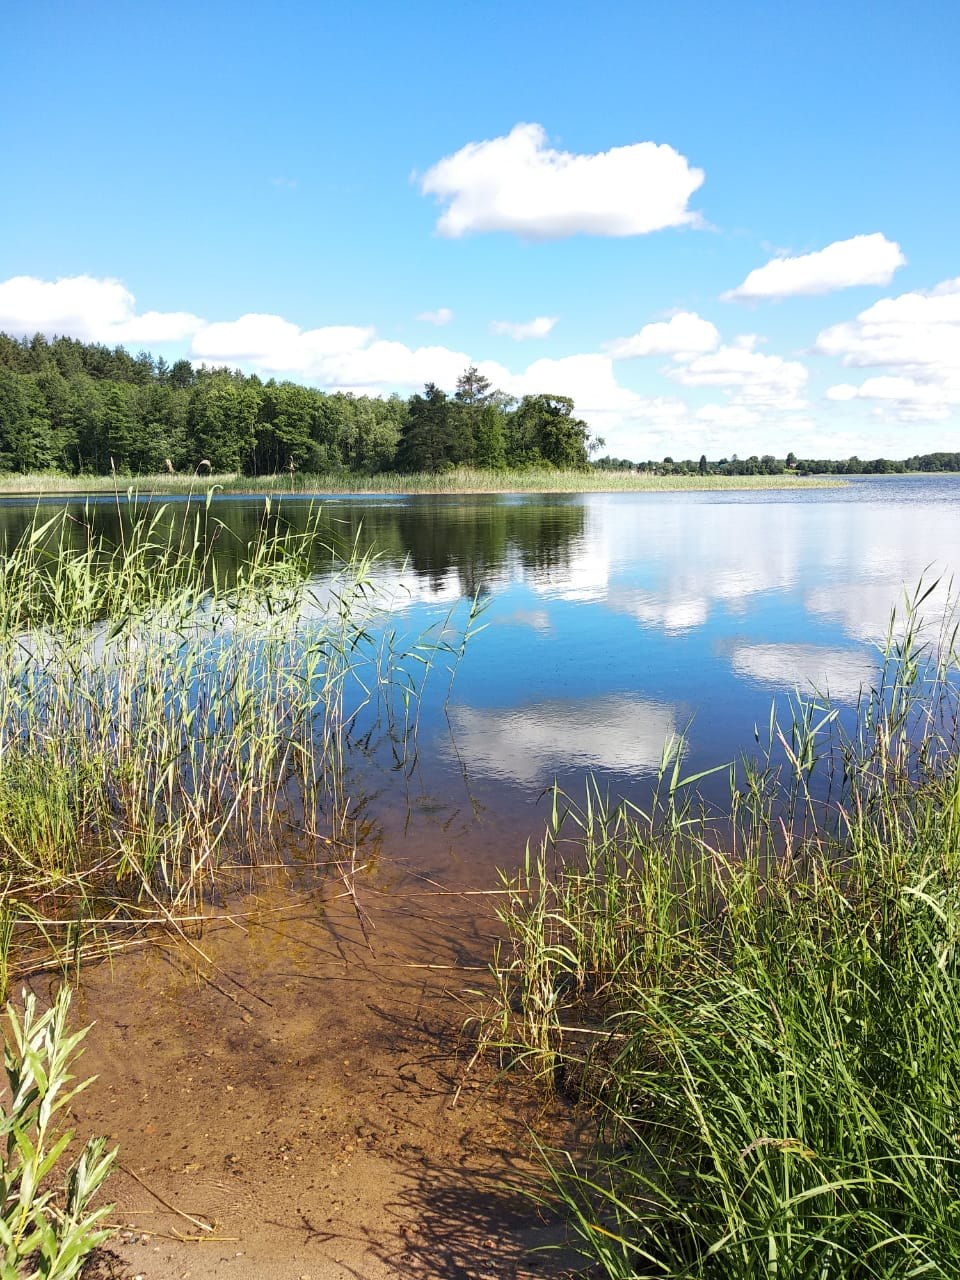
(684, 335)
(349, 357)
(440, 317)
(751, 378)
(917, 330)
(275, 344)
(353, 358)
(917, 335)
(904, 399)
(520, 332)
(518, 183)
(870, 259)
(88, 309)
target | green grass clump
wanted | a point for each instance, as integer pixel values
(161, 719)
(763, 1009)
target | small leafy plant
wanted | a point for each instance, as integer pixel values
(45, 1233)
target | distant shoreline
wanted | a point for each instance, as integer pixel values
(460, 481)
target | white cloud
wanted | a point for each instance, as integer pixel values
(683, 335)
(904, 399)
(915, 334)
(518, 183)
(861, 260)
(918, 330)
(728, 415)
(440, 317)
(353, 358)
(752, 379)
(520, 332)
(275, 344)
(88, 309)
(346, 357)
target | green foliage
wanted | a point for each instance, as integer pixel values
(543, 430)
(430, 441)
(771, 466)
(490, 443)
(25, 433)
(85, 408)
(761, 1007)
(221, 420)
(167, 708)
(45, 1231)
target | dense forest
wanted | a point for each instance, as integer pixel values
(83, 408)
(87, 409)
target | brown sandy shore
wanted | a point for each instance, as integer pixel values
(295, 1103)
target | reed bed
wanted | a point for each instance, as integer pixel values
(456, 480)
(762, 1007)
(161, 720)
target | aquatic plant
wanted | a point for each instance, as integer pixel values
(456, 480)
(761, 1006)
(161, 718)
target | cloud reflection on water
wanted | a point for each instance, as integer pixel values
(531, 744)
(844, 558)
(865, 609)
(839, 673)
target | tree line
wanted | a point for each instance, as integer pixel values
(768, 465)
(85, 408)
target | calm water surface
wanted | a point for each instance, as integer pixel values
(612, 622)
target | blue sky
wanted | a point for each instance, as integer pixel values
(719, 227)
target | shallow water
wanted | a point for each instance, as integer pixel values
(612, 622)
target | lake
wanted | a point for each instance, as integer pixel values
(612, 623)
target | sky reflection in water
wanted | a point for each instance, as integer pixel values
(661, 613)
(615, 622)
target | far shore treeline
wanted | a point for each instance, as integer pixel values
(88, 409)
(767, 465)
(84, 408)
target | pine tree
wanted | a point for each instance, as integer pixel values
(428, 442)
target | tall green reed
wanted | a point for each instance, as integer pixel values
(457, 480)
(761, 1005)
(161, 716)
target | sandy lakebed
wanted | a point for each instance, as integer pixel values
(292, 1101)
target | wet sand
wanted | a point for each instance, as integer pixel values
(292, 1101)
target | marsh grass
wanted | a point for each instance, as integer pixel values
(762, 1007)
(456, 480)
(161, 719)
